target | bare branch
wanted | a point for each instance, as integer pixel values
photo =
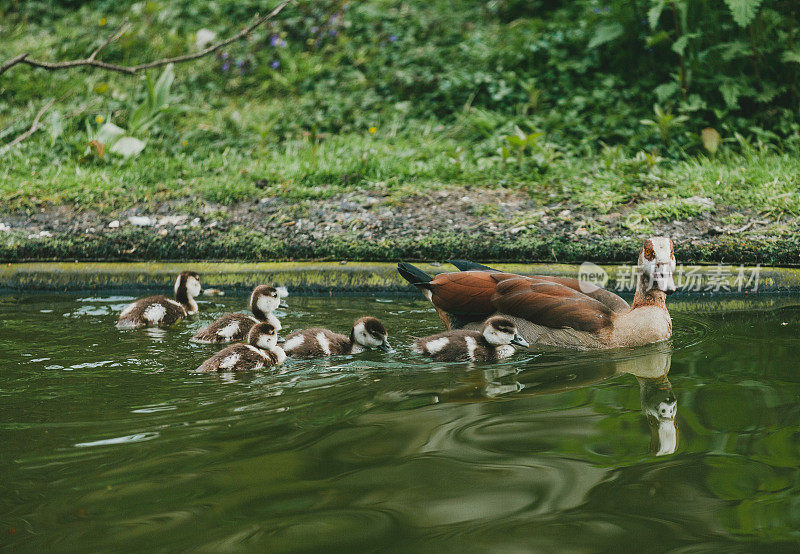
(13, 61)
(134, 69)
(33, 128)
(120, 30)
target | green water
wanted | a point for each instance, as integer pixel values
(108, 443)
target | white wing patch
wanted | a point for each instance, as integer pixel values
(229, 330)
(324, 343)
(154, 313)
(229, 361)
(505, 351)
(279, 353)
(471, 345)
(435, 346)
(293, 342)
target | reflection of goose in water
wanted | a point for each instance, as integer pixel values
(650, 366)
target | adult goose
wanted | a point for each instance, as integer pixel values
(558, 311)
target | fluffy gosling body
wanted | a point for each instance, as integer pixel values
(494, 342)
(367, 333)
(160, 310)
(261, 351)
(235, 327)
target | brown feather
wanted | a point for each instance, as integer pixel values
(550, 304)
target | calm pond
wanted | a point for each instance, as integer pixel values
(108, 443)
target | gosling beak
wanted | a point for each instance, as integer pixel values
(281, 340)
(385, 347)
(283, 304)
(519, 341)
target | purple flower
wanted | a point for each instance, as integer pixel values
(274, 40)
(239, 63)
(332, 32)
(314, 29)
(226, 66)
(275, 65)
(224, 56)
(392, 38)
(596, 10)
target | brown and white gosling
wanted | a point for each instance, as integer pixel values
(493, 343)
(160, 310)
(234, 327)
(261, 351)
(367, 333)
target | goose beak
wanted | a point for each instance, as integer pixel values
(519, 341)
(385, 347)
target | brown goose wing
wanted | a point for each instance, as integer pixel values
(466, 293)
(550, 304)
(613, 301)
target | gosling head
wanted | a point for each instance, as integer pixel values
(370, 333)
(263, 335)
(657, 264)
(188, 282)
(265, 299)
(499, 331)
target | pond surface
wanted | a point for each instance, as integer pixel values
(108, 443)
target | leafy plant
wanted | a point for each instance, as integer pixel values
(665, 122)
(155, 103)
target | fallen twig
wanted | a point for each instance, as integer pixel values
(134, 69)
(33, 128)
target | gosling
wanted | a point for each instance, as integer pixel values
(160, 310)
(494, 342)
(261, 351)
(367, 333)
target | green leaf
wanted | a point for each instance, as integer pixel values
(654, 13)
(743, 11)
(605, 32)
(791, 56)
(730, 93)
(162, 87)
(665, 91)
(679, 46)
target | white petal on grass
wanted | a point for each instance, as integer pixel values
(127, 147)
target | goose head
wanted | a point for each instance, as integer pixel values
(188, 282)
(265, 299)
(370, 333)
(657, 264)
(263, 336)
(499, 331)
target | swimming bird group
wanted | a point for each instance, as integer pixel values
(486, 314)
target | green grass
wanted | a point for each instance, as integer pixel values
(396, 164)
(443, 98)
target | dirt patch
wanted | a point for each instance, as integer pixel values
(495, 215)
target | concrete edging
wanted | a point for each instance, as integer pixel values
(325, 277)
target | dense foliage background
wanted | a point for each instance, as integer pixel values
(335, 94)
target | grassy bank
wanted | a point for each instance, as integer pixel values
(409, 106)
